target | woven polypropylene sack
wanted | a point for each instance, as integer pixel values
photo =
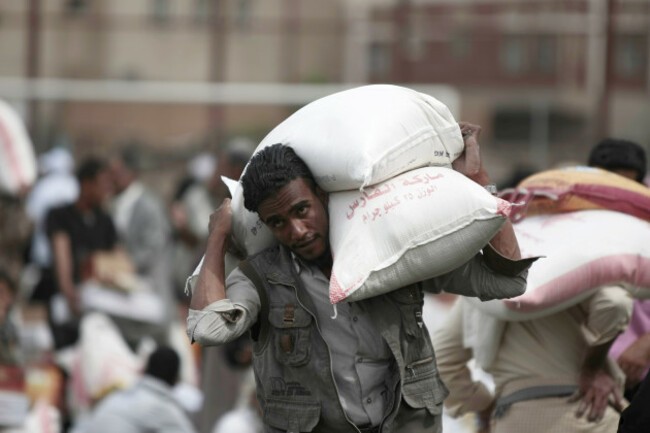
(368, 134)
(582, 251)
(419, 225)
(579, 188)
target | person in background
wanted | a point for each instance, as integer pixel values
(221, 379)
(57, 187)
(76, 231)
(623, 157)
(631, 350)
(147, 407)
(144, 230)
(187, 223)
(552, 374)
(10, 353)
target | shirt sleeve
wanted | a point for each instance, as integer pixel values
(475, 278)
(608, 314)
(54, 222)
(227, 319)
(465, 394)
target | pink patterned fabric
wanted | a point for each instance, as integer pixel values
(639, 325)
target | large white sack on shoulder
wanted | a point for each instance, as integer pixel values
(17, 160)
(583, 251)
(249, 232)
(369, 134)
(416, 226)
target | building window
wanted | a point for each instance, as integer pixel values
(76, 6)
(243, 14)
(379, 60)
(460, 44)
(545, 62)
(201, 11)
(630, 56)
(160, 10)
(513, 56)
(514, 124)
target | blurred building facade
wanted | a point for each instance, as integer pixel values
(542, 77)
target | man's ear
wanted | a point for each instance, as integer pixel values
(322, 195)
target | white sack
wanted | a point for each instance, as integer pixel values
(583, 251)
(368, 134)
(416, 226)
(106, 361)
(17, 160)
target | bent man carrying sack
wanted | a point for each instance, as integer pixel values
(372, 368)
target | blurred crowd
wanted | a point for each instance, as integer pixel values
(92, 279)
(93, 310)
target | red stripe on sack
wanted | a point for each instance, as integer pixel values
(630, 268)
(337, 293)
(503, 207)
(9, 150)
(619, 199)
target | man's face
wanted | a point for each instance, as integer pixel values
(120, 174)
(99, 188)
(298, 218)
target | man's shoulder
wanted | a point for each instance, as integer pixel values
(269, 255)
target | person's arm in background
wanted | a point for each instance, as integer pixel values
(465, 395)
(608, 314)
(63, 266)
(504, 243)
(635, 360)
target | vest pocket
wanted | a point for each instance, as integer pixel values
(422, 387)
(291, 329)
(290, 415)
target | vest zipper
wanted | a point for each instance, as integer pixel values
(329, 353)
(411, 366)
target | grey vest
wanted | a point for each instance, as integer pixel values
(295, 384)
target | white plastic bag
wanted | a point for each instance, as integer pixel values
(416, 226)
(106, 361)
(368, 134)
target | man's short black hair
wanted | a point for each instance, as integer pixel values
(269, 170)
(90, 168)
(618, 154)
(164, 364)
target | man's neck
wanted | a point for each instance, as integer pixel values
(84, 205)
(324, 263)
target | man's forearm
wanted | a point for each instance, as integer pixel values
(596, 356)
(505, 241)
(62, 253)
(210, 286)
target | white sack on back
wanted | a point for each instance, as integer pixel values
(369, 134)
(17, 161)
(248, 232)
(416, 226)
(583, 251)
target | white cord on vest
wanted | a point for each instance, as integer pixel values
(336, 312)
